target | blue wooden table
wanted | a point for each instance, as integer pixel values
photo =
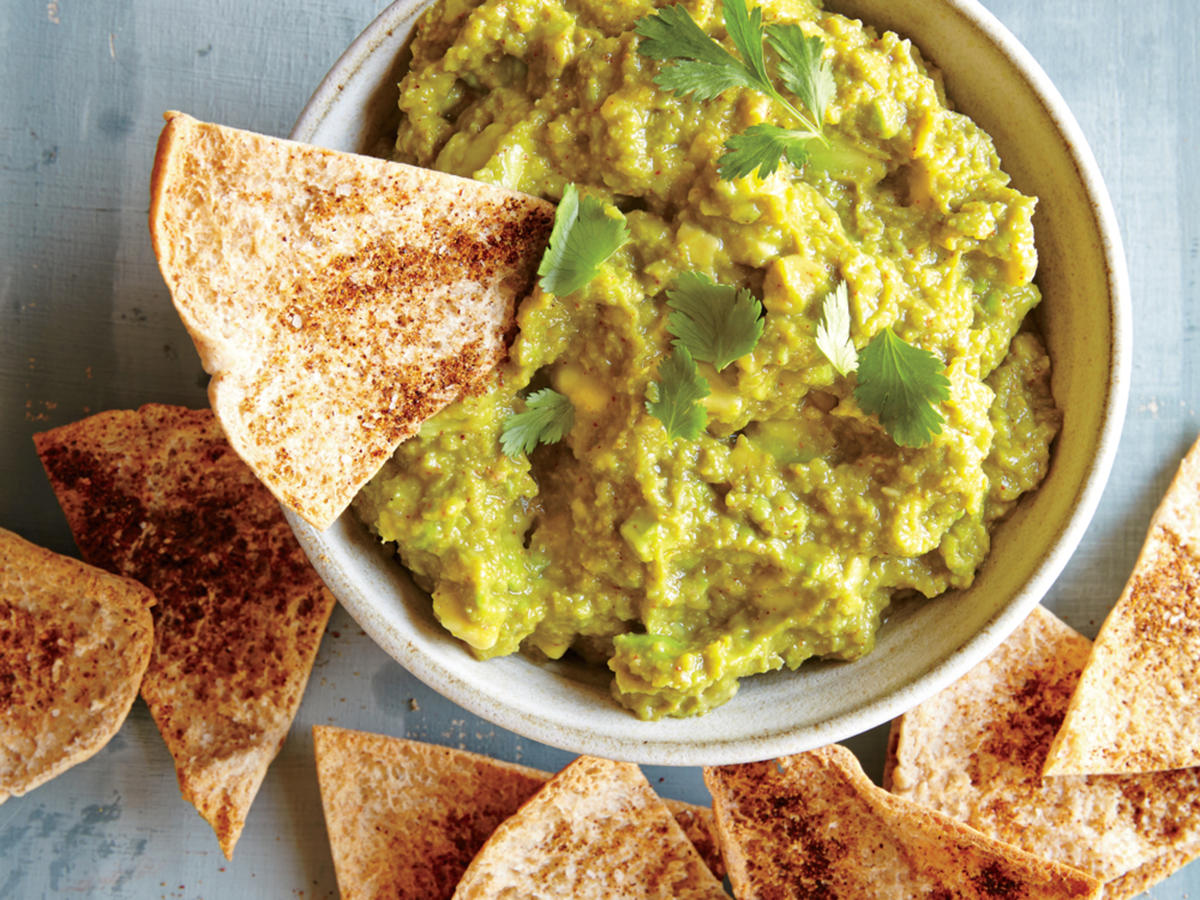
(85, 325)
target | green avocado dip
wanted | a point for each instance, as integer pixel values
(787, 526)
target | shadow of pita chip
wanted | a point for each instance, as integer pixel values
(74, 644)
(975, 752)
(405, 818)
(337, 300)
(595, 830)
(1137, 705)
(158, 495)
(813, 825)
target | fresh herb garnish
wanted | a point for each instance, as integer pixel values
(586, 232)
(762, 147)
(902, 385)
(801, 68)
(699, 66)
(716, 323)
(833, 331)
(547, 417)
(898, 383)
(676, 396)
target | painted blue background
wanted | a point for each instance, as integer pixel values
(85, 325)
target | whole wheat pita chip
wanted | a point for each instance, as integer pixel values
(405, 818)
(698, 825)
(595, 830)
(975, 752)
(1137, 880)
(337, 300)
(159, 495)
(1137, 705)
(813, 825)
(74, 644)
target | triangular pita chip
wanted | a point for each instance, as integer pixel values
(337, 300)
(159, 495)
(813, 825)
(697, 823)
(1137, 880)
(405, 818)
(74, 643)
(595, 830)
(975, 752)
(1137, 705)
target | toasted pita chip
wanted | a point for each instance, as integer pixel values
(814, 825)
(975, 752)
(1137, 880)
(337, 300)
(698, 825)
(1137, 705)
(596, 830)
(159, 495)
(405, 818)
(74, 644)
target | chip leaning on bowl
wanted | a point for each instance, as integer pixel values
(784, 529)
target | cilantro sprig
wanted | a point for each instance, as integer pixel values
(586, 232)
(717, 323)
(699, 66)
(675, 397)
(712, 322)
(548, 416)
(899, 384)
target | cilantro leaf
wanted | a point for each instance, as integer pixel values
(547, 417)
(801, 69)
(901, 385)
(746, 31)
(833, 331)
(586, 232)
(716, 323)
(761, 147)
(672, 33)
(676, 396)
(689, 76)
(699, 65)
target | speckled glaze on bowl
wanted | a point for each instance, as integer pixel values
(923, 646)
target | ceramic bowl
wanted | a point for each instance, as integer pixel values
(922, 646)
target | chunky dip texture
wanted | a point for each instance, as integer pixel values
(783, 531)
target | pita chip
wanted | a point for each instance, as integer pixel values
(159, 495)
(697, 823)
(405, 818)
(337, 300)
(1138, 880)
(595, 830)
(1137, 705)
(813, 825)
(975, 752)
(74, 643)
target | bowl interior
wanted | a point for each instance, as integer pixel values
(923, 645)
